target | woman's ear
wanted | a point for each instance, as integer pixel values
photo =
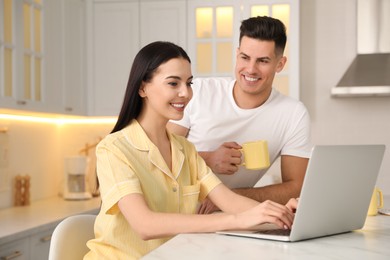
(141, 91)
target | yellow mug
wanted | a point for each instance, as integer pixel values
(376, 202)
(256, 155)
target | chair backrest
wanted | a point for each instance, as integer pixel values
(69, 238)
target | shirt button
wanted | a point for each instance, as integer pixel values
(174, 189)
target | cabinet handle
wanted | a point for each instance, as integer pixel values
(21, 102)
(46, 238)
(12, 256)
(68, 109)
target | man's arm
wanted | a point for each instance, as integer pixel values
(224, 160)
(293, 172)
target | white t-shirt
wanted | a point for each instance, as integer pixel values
(213, 118)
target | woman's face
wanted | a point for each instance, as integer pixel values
(169, 90)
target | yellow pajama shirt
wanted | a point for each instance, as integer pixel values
(128, 162)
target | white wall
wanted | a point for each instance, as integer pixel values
(328, 46)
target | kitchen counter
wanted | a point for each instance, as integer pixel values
(371, 242)
(19, 222)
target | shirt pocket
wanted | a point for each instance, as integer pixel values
(190, 198)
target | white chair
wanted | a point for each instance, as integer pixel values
(69, 238)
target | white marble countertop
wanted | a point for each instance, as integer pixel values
(18, 222)
(371, 242)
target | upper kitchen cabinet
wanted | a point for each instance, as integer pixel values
(74, 88)
(65, 56)
(112, 43)
(21, 55)
(117, 30)
(163, 21)
(41, 57)
(213, 37)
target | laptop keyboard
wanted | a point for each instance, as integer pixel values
(277, 232)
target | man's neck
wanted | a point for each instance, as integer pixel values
(249, 101)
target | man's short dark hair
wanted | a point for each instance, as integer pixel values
(265, 28)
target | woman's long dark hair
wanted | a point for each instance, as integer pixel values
(146, 62)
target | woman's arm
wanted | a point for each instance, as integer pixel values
(150, 225)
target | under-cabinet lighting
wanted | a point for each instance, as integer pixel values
(59, 119)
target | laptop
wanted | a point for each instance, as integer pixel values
(335, 195)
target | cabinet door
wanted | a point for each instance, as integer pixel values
(40, 245)
(74, 84)
(115, 42)
(44, 59)
(54, 55)
(65, 57)
(22, 53)
(163, 21)
(15, 250)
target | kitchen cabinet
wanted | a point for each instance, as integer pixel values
(54, 55)
(114, 42)
(44, 60)
(89, 47)
(163, 21)
(16, 250)
(65, 87)
(36, 246)
(40, 244)
(118, 29)
(141, 22)
(25, 232)
(21, 55)
(74, 84)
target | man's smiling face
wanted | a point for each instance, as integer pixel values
(256, 66)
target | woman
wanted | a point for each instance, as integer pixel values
(150, 180)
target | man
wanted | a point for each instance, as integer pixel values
(226, 113)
